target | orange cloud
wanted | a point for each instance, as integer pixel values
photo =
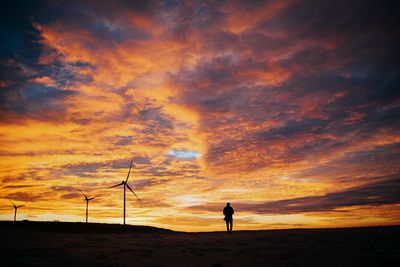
(214, 102)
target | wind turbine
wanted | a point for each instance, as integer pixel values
(15, 210)
(125, 184)
(87, 203)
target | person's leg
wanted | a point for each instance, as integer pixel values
(227, 225)
(231, 222)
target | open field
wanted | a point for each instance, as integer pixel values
(77, 244)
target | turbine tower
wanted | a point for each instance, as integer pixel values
(15, 210)
(125, 184)
(87, 199)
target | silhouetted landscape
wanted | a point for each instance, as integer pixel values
(29, 243)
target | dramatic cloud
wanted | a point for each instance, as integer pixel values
(288, 109)
(384, 192)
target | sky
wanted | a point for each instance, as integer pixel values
(287, 109)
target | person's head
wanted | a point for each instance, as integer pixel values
(228, 204)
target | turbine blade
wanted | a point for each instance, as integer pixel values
(82, 193)
(132, 191)
(115, 185)
(127, 177)
(13, 203)
(94, 197)
(19, 206)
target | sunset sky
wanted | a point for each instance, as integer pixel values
(287, 109)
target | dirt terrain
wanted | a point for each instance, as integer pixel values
(78, 244)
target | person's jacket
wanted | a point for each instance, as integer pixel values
(228, 212)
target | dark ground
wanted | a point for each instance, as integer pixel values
(77, 244)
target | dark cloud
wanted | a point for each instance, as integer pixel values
(34, 90)
(21, 45)
(34, 101)
(33, 174)
(310, 19)
(123, 140)
(181, 170)
(292, 128)
(23, 196)
(120, 164)
(19, 186)
(19, 37)
(89, 170)
(142, 160)
(384, 192)
(369, 165)
(155, 118)
(340, 61)
(84, 170)
(144, 183)
(64, 188)
(104, 20)
(378, 193)
(71, 195)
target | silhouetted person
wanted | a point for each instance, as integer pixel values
(228, 212)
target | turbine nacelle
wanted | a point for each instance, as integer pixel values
(15, 206)
(86, 197)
